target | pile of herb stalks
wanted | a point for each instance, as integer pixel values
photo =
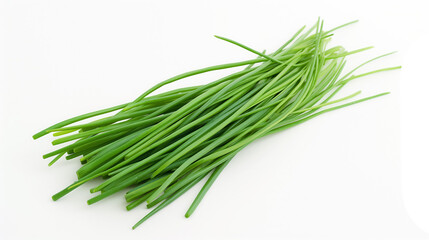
(161, 145)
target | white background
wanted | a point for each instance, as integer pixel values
(357, 173)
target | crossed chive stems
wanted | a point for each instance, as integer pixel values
(160, 146)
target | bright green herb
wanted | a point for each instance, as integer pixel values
(160, 146)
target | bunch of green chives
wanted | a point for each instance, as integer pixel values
(160, 146)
